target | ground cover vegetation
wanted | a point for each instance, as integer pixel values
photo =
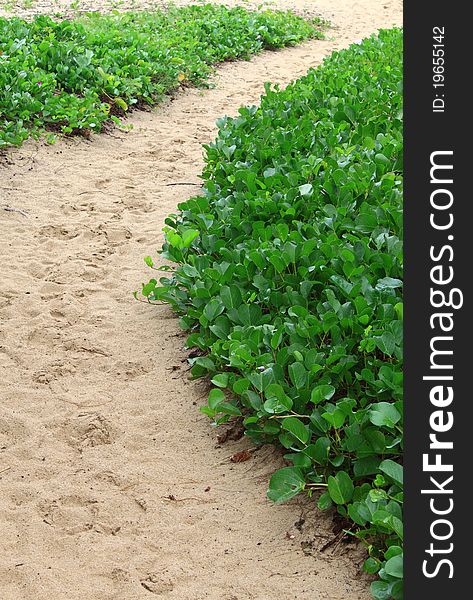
(73, 76)
(289, 281)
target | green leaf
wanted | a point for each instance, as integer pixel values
(298, 375)
(277, 339)
(338, 460)
(213, 308)
(277, 402)
(121, 103)
(188, 236)
(381, 590)
(190, 271)
(376, 440)
(325, 501)
(306, 189)
(384, 413)
(399, 308)
(340, 488)
(285, 484)
(381, 159)
(394, 566)
(388, 283)
(336, 418)
(368, 465)
(397, 590)
(392, 551)
(221, 327)
(148, 288)
(229, 409)
(397, 526)
(269, 172)
(216, 397)
(355, 513)
(206, 410)
(249, 314)
(393, 469)
(231, 296)
(274, 390)
(241, 385)
(322, 392)
(371, 565)
(319, 450)
(297, 428)
(220, 380)
(377, 495)
(386, 343)
(205, 362)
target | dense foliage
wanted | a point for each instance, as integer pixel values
(72, 75)
(289, 279)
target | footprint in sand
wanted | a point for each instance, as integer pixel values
(86, 430)
(57, 232)
(12, 431)
(102, 183)
(157, 584)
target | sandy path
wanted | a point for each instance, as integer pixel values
(112, 484)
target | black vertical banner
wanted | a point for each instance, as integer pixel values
(438, 239)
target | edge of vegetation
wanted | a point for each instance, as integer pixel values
(75, 76)
(288, 278)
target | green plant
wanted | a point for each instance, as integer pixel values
(289, 279)
(71, 76)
